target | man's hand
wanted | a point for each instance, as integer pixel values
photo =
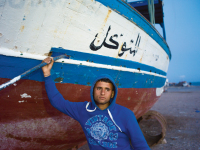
(46, 69)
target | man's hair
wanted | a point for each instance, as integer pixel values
(107, 81)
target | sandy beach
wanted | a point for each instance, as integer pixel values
(181, 108)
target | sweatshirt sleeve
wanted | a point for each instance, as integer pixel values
(135, 134)
(71, 109)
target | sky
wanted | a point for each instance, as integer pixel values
(182, 26)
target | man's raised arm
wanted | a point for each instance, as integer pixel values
(56, 99)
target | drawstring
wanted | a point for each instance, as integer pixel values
(113, 120)
(88, 109)
(108, 113)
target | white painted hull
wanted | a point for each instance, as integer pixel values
(35, 27)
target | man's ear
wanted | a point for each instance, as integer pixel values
(112, 95)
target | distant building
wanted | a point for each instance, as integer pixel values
(183, 83)
(172, 84)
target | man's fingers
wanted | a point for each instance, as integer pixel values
(46, 69)
(48, 60)
(52, 61)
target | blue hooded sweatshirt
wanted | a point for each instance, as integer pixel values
(112, 128)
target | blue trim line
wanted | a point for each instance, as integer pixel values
(126, 10)
(76, 74)
(105, 60)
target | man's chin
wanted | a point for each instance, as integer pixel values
(101, 103)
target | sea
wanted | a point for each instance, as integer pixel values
(195, 83)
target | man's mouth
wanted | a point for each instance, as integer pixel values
(101, 97)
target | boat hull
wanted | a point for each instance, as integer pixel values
(28, 120)
(100, 37)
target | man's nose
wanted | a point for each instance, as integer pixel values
(103, 91)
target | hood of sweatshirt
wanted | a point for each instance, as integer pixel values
(112, 100)
(91, 107)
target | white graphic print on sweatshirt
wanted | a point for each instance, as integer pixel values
(101, 129)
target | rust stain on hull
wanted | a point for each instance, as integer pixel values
(108, 14)
(104, 23)
(22, 28)
(120, 48)
(141, 59)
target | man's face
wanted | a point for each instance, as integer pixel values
(103, 91)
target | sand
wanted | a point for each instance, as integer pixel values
(181, 108)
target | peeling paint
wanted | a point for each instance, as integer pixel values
(21, 101)
(59, 79)
(25, 95)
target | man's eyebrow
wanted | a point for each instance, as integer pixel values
(98, 87)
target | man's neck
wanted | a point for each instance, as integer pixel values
(103, 106)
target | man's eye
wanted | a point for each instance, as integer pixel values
(98, 88)
(107, 89)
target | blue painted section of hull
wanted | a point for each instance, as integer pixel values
(125, 10)
(76, 74)
(99, 59)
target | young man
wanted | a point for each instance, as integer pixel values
(106, 124)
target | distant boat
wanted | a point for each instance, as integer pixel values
(183, 83)
(101, 37)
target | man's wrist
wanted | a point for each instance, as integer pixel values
(46, 74)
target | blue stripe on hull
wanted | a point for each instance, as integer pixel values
(126, 10)
(76, 74)
(99, 59)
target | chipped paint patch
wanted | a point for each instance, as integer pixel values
(59, 79)
(21, 101)
(25, 95)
